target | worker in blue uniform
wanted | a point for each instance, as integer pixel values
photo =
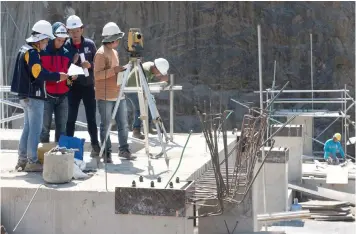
(331, 147)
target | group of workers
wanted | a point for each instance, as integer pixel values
(43, 86)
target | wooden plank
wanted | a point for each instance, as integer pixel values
(317, 203)
(335, 174)
(326, 193)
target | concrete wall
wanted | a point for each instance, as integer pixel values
(292, 137)
(56, 212)
(276, 181)
(216, 225)
(308, 132)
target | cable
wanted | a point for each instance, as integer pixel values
(181, 157)
(28, 206)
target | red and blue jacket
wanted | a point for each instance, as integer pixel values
(56, 60)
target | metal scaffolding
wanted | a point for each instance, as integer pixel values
(345, 100)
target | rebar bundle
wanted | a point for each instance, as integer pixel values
(226, 183)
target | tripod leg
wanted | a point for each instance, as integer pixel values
(144, 115)
(154, 111)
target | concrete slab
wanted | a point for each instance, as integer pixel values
(87, 206)
(318, 227)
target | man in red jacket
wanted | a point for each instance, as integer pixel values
(56, 58)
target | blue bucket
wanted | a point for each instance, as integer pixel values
(73, 143)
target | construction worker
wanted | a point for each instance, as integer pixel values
(83, 87)
(56, 58)
(29, 83)
(155, 71)
(331, 147)
(106, 70)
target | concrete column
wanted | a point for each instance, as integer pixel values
(276, 168)
(232, 213)
(292, 137)
(308, 132)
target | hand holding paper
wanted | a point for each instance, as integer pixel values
(75, 70)
(82, 58)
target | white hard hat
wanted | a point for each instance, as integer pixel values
(112, 32)
(59, 30)
(162, 65)
(74, 21)
(44, 30)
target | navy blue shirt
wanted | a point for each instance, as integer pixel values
(87, 47)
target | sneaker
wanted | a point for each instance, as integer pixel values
(95, 151)
(136, 133)
(33, 167)
(126, 154)
(152, 130)
(21, 164)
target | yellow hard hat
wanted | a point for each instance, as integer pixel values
(337, 136)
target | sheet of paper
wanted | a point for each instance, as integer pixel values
(75, 70)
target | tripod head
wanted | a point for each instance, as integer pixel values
(135, 43)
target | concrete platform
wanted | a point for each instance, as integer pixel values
(313, 176)
(87, 206)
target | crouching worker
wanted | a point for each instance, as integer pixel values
(155, 72)
(331, 147)
(29, 84)
(56, 58)
(106, 69)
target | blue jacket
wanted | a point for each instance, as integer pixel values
(332, 147)
(30, 77)
(87, 47)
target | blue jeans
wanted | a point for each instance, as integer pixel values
(58, 105)
(31, 132)
(137, 121)
(106, 109)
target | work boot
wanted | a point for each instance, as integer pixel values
(126, 154)
(136, 133)
(107, 158)
(21, 164)
(33, 167)
(95, 151)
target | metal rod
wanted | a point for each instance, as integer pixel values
(171, 108)
(270, 101)
(345, 123)
(327, 128)
(311, 68)
(273, 119)
(261, 109)
(291, 101)
(2, 83)
(14, 117)
(307, 91)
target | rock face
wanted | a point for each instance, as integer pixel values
(212, 46)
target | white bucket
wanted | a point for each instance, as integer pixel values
(58, 166)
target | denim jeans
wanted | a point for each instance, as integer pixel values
(137, 121)
(58, 105)
(31, 132)
(106, 109)
(75, 95)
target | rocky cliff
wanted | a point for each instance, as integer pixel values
(212, 46)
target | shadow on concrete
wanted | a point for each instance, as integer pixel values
(125, 167)
(290, 223)
(36, 178)
(155, 176)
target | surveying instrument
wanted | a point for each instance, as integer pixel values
(146, 99)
